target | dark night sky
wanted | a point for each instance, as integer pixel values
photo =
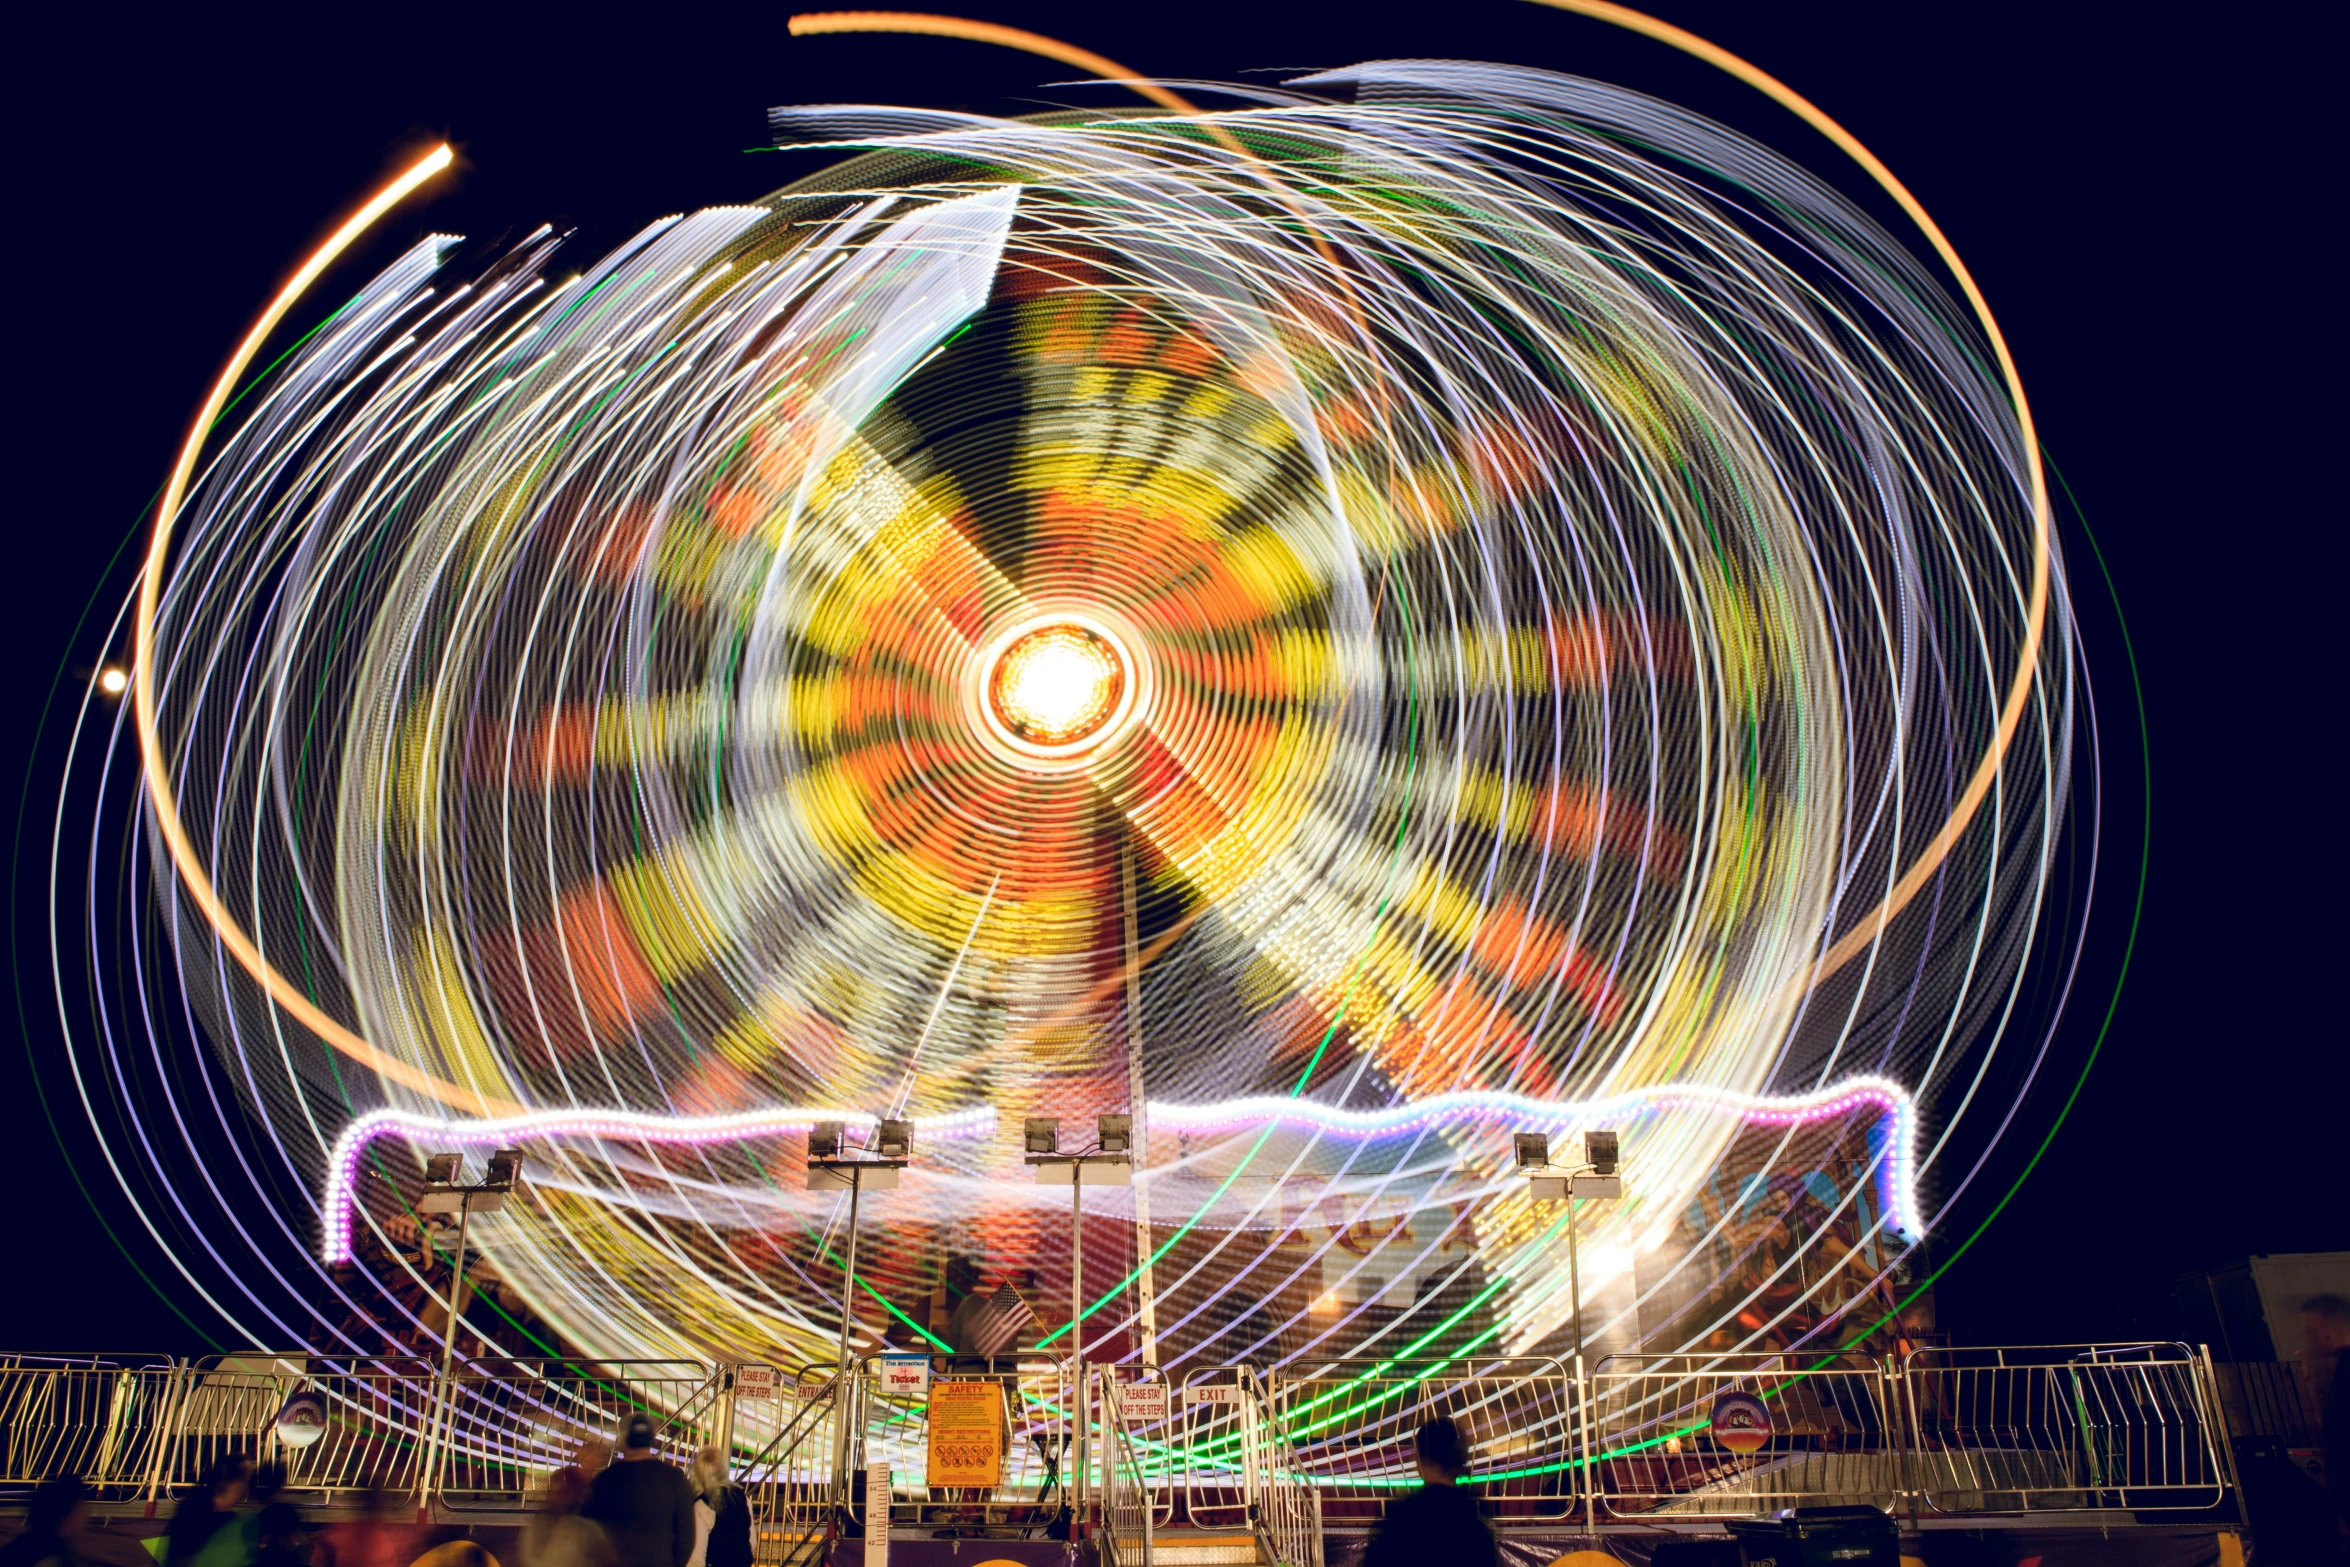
(2141, 198)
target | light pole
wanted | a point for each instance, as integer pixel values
(1112, 1160)
(1595, 1177)
(829, 1170)
(445, 1193)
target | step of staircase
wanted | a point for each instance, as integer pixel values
(1196, 1548)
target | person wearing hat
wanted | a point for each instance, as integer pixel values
(646, 1506)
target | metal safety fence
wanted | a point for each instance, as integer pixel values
(1284, 1454)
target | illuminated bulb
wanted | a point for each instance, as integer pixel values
(1056, 685)
(113, 681)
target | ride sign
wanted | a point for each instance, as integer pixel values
(905, 1376)
(1741, 1422)
(966, 1434)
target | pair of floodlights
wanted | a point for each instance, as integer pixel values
(830, 1169)
(1110, 1162)
(446, 1193)
(1113, 1134)
(892, 1140)
(1596, 1176)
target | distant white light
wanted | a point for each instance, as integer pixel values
(113, 681)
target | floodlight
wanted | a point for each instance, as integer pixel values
(1599, 1151)
(894, 1139)
(505, 1169)
(1533, 1150)
(440, 1169)
(1043, 1134)
(824, 1140)
(1116, 1133)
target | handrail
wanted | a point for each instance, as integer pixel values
(2115, 1432)
(1126, 1501)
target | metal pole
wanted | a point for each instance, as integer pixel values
(842, 1404)
(167, 1428)
(1574, 1275)
(1575, 1295)
(1077, 1389)
(848, 1288)
(1146, 1303)
(436, 1444)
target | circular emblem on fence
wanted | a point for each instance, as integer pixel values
(1741, 1421)
(303, 1420)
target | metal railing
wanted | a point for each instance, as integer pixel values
(2111, 1431)
(787, 1480)
(1349, 1431)
(505, 1426)
(2131, 1428)
(1285, 1512)
(1126, 1501)
(1736, 1435)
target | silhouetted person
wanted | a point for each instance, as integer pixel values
(645, 1505)
(364, 1541)
(60, 1508)
(279, 1540)
(1438, 1522)
(204, 1526)
(557, 1536)
(2325, 1337)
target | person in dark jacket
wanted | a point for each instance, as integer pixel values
(279, 1540)
(646, 1506)
(60, 1507)
(1439, 1521)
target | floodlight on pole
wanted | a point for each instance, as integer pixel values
(1109, 1163)
(446, 1192)
(1595, 1177)
(830, 1168)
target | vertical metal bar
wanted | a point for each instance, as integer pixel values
(2216, 1430)
(1146, 1302)
(444, 1403)
(166, 1429)
(843, 1404)
(722, 1432)
(110, 1444)
(1575, 1297)
(1077, 1388)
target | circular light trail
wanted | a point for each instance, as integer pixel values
(1443, 598)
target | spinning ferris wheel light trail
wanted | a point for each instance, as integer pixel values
(1442, 599)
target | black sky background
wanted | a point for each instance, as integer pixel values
(2150, 200)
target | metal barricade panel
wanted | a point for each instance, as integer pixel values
(2110, 1429)
(1726, 1435)
(1350, 1434)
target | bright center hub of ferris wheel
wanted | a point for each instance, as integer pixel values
(1057, 685)
(1054, 689)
